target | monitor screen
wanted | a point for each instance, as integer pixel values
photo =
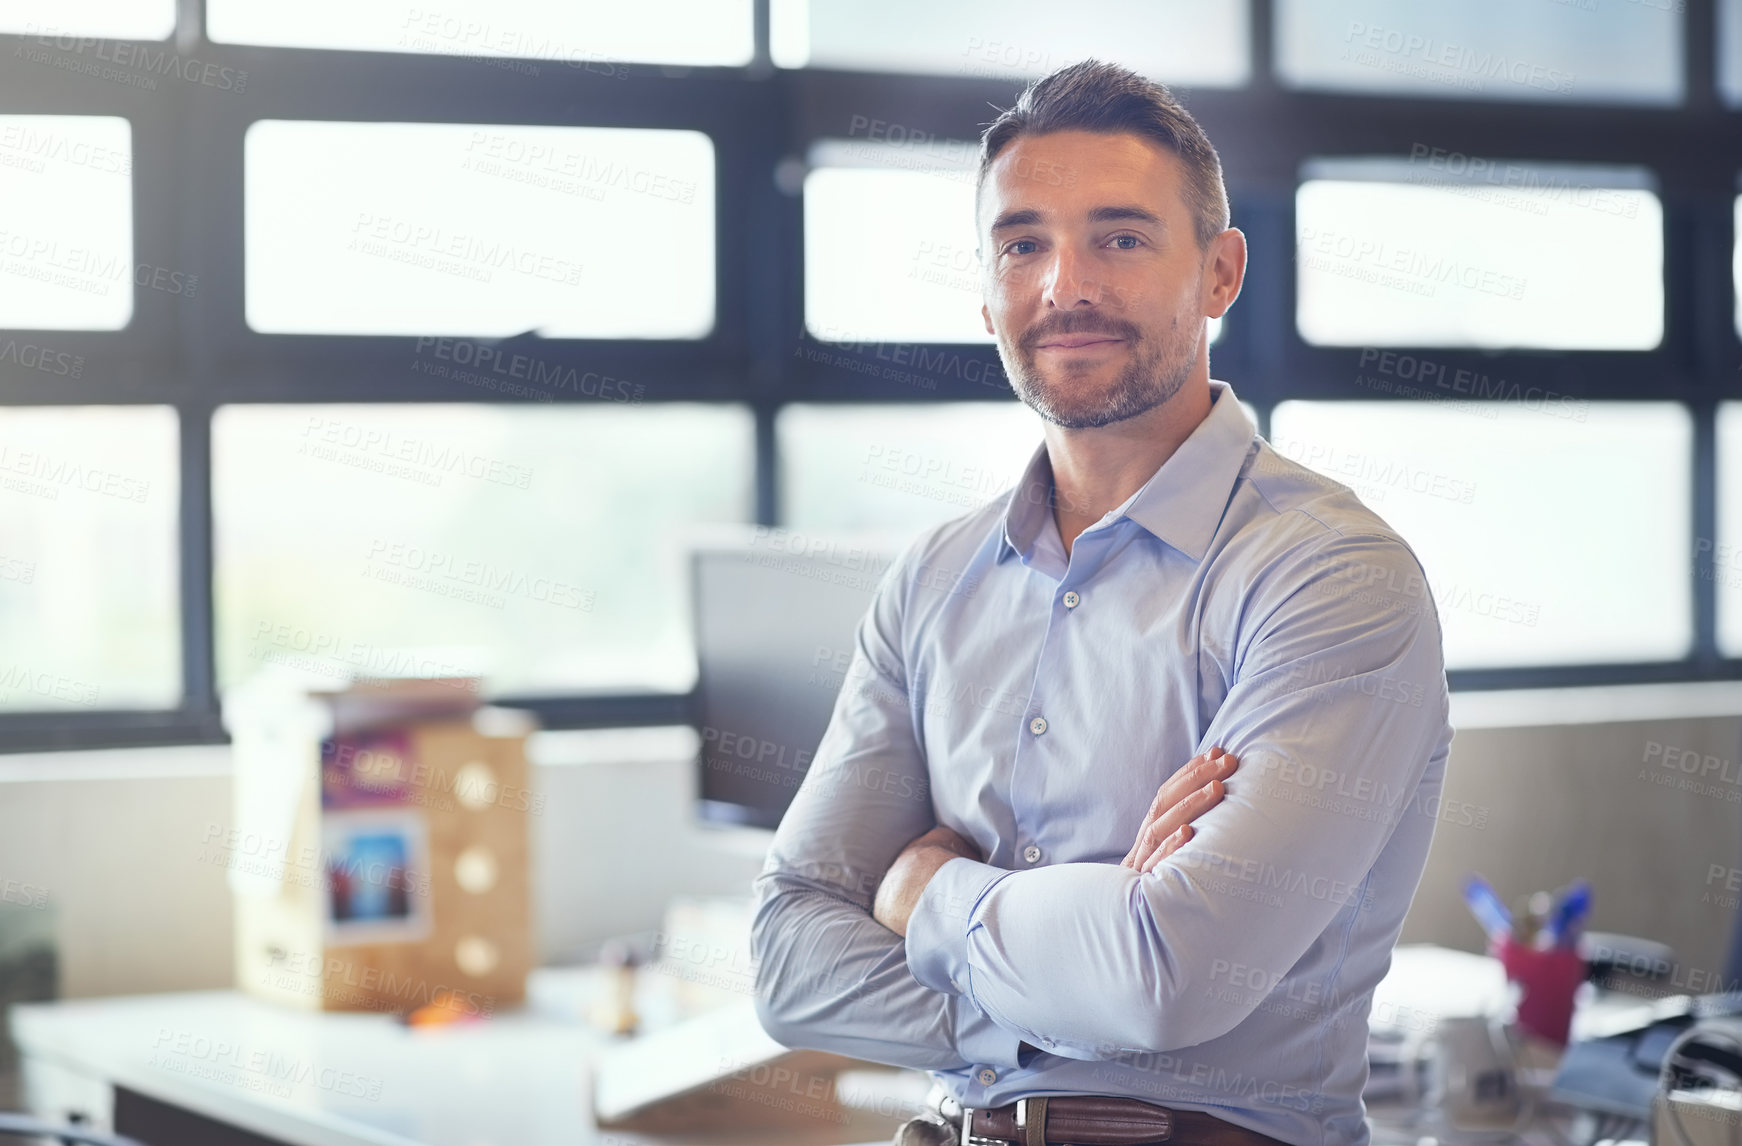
(775, 616)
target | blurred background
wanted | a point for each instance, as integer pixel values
(605, 351)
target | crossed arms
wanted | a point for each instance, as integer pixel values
(1093, 960)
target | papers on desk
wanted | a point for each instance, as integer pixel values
(1425, 984)
(717, 1069)
(678, 1059)
(273, 774)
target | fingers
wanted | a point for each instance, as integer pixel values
(1199, 770)
(1173, 819)
(1168, 794)
(1178, 820)
(1170, 845)
(1162, 801)
(1185, 795)
(1147, 851)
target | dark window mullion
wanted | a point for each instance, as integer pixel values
(1700, 55)
(1703, 567)
(190, 25)
(1262, 31)
(767, 502)
(198, 667)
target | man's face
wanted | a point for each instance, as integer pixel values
(1093, 279)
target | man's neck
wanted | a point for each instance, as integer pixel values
(1095, 470)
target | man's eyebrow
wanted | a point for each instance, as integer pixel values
(1125, 211)
(1015, 217)
(1028, 216)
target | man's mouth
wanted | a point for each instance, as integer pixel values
(1072, 341)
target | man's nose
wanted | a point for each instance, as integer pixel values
(1070, 280)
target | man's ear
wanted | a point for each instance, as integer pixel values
(986, 314)
(1224, 271)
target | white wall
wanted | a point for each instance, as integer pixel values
(1590, 782)
(619, 838)
(115, 837)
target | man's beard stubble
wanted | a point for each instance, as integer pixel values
(1153, 373)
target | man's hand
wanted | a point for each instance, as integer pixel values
(1182, 798)
(905, 881)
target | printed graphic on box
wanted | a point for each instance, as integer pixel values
(377, 866)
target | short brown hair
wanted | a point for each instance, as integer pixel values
(1097, 96)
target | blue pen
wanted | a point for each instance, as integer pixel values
(1487, 906)
(1569, 912)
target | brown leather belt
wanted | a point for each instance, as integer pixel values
(1093, 1120)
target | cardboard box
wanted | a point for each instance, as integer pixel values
(379, 854)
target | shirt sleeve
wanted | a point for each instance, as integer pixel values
(1339, 671)
(828, 975)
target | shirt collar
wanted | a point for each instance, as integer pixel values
(1181, 503)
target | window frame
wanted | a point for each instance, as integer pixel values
(197, 354)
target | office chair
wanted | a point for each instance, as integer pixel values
(17, 1125)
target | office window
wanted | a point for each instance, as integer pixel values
(889, 242)
(1736, 263)
(889, 255)
(120, 19)
(540, 547)
(1726, 548)
(478, 229)
(1571, 51)
(1448, 249)
(1188, 42)
(66, 238)
(1729, 49)
(1552, 530)
(897, 469)
(89, 592)
(587, 36)
(894, 469)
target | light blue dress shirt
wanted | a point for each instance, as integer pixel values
(1034, 702)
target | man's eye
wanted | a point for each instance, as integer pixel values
(1011, 249)
(1122, 238)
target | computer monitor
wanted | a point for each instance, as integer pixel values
(774, 614)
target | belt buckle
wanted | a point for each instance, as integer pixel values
(969, 1139)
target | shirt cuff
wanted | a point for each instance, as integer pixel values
(937, 931)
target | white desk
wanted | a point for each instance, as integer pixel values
(309, 1079)
(520, 1079)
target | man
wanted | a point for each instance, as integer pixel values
(1129, 818)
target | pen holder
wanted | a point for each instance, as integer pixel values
(1547, 979)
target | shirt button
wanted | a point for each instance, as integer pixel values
(1072, 600)
(987, 1076)
(1031, 854)
(1037, 725)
